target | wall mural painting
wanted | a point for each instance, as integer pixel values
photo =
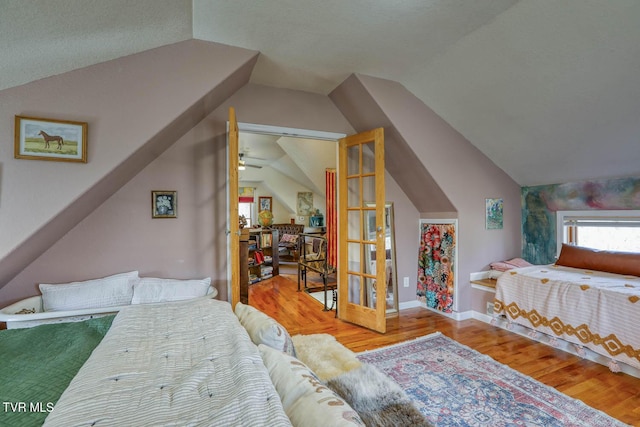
(436, 265)
(540, 204)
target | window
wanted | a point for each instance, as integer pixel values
(606, 230)
(246, 209)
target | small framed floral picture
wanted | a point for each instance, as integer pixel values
(164, 204)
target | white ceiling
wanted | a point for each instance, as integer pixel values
(548, 89)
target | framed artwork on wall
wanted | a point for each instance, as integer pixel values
(50, 139)
(305, 203)
(493, 214)
(164, 204)
(264, 204)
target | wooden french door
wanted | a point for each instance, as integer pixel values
(361, 293)
(234, 228)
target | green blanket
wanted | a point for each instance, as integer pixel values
(37, 364)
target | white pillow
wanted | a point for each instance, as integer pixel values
(108, 291)
(264, 329)
(151, 289)
(305, 399)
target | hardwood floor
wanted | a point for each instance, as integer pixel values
(616, 394)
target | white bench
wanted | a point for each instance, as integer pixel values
(13, 320)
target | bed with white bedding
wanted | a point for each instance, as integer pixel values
(183, 363)
(170, 355)
(589, 308)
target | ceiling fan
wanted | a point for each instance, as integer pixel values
(242, 164)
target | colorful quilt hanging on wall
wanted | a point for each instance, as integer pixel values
(436, 265)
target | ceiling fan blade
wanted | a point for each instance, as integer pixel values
(244, 156)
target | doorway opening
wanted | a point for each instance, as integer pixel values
(284, 170)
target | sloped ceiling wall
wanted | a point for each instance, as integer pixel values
(136, 107)
(459, 176)
(549, 90)
(120, 234)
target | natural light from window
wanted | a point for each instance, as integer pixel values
(246, 209)
(605, 230)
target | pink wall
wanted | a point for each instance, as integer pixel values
(135, 107)
(121, 235)
(457, 169)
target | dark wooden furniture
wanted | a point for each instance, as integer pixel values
(288, 250)
(263, 257)
(313, 257)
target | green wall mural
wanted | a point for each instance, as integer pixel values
(540, 204)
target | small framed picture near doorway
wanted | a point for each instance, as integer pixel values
(164, 204)
(264, 203)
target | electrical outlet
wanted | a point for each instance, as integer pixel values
(405, 282)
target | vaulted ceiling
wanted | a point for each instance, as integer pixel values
(549, 90)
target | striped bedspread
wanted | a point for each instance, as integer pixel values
(597, 310)
(181, 364)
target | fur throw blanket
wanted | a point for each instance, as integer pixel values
(377, 398)
(325, 356)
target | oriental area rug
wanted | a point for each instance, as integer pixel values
(454, 385)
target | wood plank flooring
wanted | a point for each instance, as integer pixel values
(615, 394)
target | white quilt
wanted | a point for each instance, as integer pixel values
(185, 363)
(597, 310)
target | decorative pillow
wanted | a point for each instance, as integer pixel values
(108, 291)
(289, 238)
(151, 289)
(510, 264)
(519, 262)
(594, 259)
(305, 400)
(378, 399)
(501, 266)
(264, 330)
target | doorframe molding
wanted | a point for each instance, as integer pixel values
(270, 130)
(291, 132)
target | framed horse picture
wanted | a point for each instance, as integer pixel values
(50, 139)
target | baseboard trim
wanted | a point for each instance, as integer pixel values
(456, 315)
(409, 304)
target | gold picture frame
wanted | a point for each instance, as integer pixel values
(50, 139)
(265, 203)
(164, 204)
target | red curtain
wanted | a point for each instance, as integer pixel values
(332, 218)
(245, 194)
